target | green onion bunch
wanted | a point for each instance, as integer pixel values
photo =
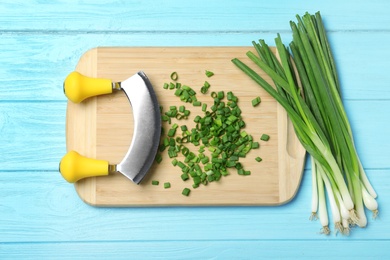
(307, 86)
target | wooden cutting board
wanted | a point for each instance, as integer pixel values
(101, 127)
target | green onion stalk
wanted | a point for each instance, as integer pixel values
(307, 86)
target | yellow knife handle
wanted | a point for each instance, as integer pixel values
(78, 87)
(74, 167)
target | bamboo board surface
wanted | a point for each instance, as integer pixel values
(101, 127)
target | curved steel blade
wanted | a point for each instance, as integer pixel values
(147, 127)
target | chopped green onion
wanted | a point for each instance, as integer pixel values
(166, 141)
(205, 87)
(172, 154)
(179, 116)
(255, 145)
(231, 163)
(196, 180)
(197, 103)
(209, 73)
(184, 176)
(186, 192)
(210, 178)
(264, 137)
(174, 76)
(247, 172)
(174, 162)
(258, 159)
(178, 92)
(165, 118)
(181, 164)
(219, 130)
(234, 158)
(158, 158)
(167, 185)
(256, 101)
(155, 182)
(161, 147)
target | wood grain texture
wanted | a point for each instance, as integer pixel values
(215, 249)
(202, 15)
(90, 128)
(42, 217)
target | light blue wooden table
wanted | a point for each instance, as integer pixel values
(41, 215)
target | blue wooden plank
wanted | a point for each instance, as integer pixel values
(224, 249)
(32, 135)
(34, 64)
(41, 207)
(371, 133)
(202, 15)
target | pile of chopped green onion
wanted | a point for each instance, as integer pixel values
(218, 136)
(311, 97)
